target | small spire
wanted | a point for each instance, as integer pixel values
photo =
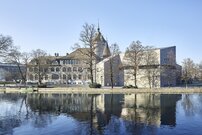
(98, 29)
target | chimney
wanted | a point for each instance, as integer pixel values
(56, 54)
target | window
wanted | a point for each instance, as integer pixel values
(64, 62)
(68, 61)
(80, 69)
(74, 76)
(69, 77)
(55, 76)
(57, 69)
(52, 69)
(30, 69)
(64, 69)
(69, 69)
(74, 69)
(35, 69)
(31, 77)
(80, 76)
(46, 77)
(45, 69)
(36, 77)
(55, 62)
(64, 77)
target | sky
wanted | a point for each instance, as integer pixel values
(55, 25)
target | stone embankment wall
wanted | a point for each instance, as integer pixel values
(81, 90)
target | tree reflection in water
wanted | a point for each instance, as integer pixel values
(96, 114)
(192, 104)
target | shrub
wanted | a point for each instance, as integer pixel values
(42, 86)
(130, 87)
(95, 85)
(5, 82)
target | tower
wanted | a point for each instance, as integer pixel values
(106, 51)
(99, 43)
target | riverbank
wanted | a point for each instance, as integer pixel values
(173, 90)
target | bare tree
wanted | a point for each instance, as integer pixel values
(151, 66)
(26, 57)
(187, 70)
(6, 43)
(200, 71)
(40, 63)
(87, 48)
(15, 57)
(134, 56)
(11, 76)
(114, 48)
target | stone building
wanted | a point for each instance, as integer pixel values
(71, 69)
(164, 72)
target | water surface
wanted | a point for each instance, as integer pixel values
(104, 114)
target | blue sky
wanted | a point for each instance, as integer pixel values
(55, 25)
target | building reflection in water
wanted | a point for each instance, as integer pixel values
(105, 113)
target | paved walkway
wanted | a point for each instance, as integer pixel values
(176, 90)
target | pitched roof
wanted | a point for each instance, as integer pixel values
(98, 37)
(44, 59)
(106, 51)
(80, 53)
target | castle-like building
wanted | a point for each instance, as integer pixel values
(71, 69)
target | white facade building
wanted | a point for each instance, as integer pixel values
(71, 69)
(165, 72)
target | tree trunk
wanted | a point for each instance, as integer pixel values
(91, 73)
(135, 77)
(111, 74)
(23, 78)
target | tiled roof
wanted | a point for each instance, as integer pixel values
(80, 53)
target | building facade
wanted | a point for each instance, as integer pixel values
(69, 69)
(10, 72)
(162, 73)
(72, 68)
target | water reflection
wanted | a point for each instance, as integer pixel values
(93, 114)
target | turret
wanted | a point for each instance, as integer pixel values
(106, 51)
(99, 43)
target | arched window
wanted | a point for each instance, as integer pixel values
(57, 69)
(36, 77)
(52, 69)
(46, 77)
(55, 76)
(30, 69)
(80, 69)
(45, 69)
(74, 76)
(35, 69)
(69, 69)
(69, 77)
(74, 69)
(64, 69)
(80, 76)
(31, 77)
(64, 77)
